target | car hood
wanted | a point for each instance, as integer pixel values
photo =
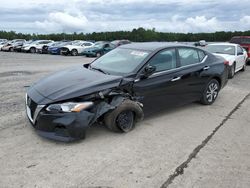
(225, 56)
(71, 83)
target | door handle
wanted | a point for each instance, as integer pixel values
(206, 68)
(175, 79)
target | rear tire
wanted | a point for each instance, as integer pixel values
(122, 119)
(32, 50)
(231, 71)
(11, 49)
(211, 92)
(74, 52)
(98, 54)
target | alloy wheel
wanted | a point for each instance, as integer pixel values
(212, 92)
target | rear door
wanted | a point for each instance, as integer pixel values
(194, 69)
(240, 58)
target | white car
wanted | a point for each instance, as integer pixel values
(77, 47)
(32, 47)
(2, 44)
(233, 53)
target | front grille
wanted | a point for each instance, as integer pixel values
(32, 105)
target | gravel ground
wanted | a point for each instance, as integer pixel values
(149, 156)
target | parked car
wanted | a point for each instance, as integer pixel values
(18, 46)
(201, 43)
(120, 42)
(99, 49)
(233, 53)
(9, 47)
(3, 41)
(75, 48)
(32, 47)
(56, 48)
(2, 44)
(244, 41)
(115, 88)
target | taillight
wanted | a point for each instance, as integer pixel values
(226, 62)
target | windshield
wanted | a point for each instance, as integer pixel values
(98, 45)
(120, 61)
(77, 43)
(221, 49)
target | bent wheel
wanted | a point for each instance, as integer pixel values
(125, 121)
(122, 119)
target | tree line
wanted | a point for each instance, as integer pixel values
(136, 35)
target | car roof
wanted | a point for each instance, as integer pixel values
(152, 46)
(223, 43)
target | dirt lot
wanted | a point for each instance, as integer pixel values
(210, 143)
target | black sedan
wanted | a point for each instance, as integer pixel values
(118, 87)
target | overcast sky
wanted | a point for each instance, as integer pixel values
(49, 16)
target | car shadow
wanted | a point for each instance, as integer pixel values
(97, 130)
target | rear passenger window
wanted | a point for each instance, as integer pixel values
(202, 55)
(164, 60)
(188, 56)
(239, 50)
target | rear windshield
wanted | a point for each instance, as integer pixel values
(221, 49)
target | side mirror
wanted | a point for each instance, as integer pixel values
(240, 53)
(148, 70)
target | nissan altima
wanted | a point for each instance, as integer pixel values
(115, 89)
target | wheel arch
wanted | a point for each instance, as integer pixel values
(218, 79)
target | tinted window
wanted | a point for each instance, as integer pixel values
(188, 56)
(106, 46)
(164, 60)
(201, 54)
(86, 44)
(245, 40)
(235, 40)
(239, 49)
(221, 49)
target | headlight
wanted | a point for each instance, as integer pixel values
(69, 107)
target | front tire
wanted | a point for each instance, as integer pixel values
(211, 92)
(122, 119)
(231, 71)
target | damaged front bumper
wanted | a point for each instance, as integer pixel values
(66, 126)
(63, 126)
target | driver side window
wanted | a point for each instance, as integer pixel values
(164, 60)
